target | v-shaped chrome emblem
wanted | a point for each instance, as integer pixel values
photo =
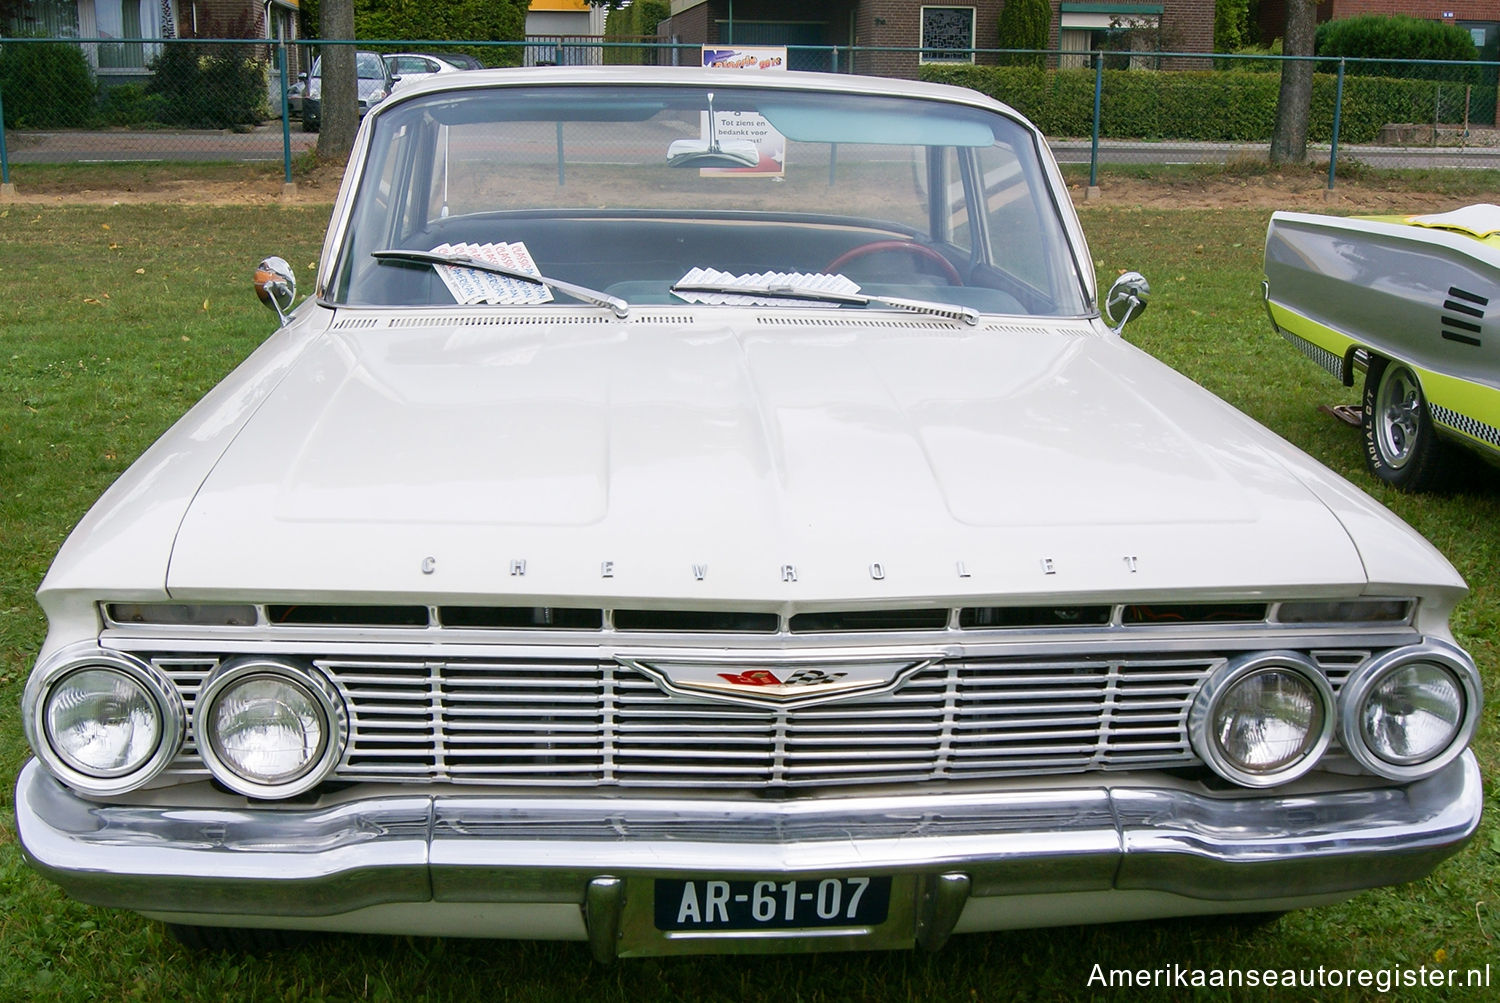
(776, 681)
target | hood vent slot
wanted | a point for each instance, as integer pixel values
(1178, 613)
(869, 621)
(697, 621)
(348, 616)
(1034, 617)
(1458, 308)
(521, 617)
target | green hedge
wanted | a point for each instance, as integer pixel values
(640, 18)
(1170, 105)
(45, 85)
(206, 86)
(448, 20)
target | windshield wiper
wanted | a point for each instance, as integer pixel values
(587, 295)
(967, 315)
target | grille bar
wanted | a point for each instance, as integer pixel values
(574, 722)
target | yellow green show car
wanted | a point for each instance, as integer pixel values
(1407, 300)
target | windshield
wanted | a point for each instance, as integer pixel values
(634, 190)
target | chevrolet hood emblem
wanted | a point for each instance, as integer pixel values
(778, 682)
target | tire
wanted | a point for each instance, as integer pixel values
(1402, 446)
(235, 940)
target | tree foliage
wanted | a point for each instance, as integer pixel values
(1380, 36)
(450, 20)
(1025, 24)
(207, 86)
(636, 21)
(1231, 25)
(46, 85)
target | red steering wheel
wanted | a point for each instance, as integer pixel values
(905, 246)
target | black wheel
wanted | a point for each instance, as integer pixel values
(234, 939)
(1402, 447)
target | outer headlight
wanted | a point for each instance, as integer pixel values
(1409, 712)
(1263, 720)
(270, 729)
(103, 722)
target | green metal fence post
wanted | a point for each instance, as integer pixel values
(6, 188)
(1093, 191)
(1338, 108)
(286, 121)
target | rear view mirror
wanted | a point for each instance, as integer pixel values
(1127, 299)
(710, 152)
(276, 285)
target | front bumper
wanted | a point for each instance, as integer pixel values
(583, 866)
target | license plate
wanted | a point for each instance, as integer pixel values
(748, 904)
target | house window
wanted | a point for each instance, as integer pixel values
(947, 34)
(119, 19)
(1123, 32)
(44, 19)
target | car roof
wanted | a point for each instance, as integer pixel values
(843, 83)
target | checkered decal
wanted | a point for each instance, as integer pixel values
(1469, 426)
(1321, 356)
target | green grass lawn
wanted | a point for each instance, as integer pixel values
(114, 320)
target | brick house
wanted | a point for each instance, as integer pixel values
(1480, 17)
(904, 34)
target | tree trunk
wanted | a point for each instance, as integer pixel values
(1294, 101)
(340, 89)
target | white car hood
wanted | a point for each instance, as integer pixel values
(783, 457)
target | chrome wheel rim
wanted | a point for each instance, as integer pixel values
(1398, 410)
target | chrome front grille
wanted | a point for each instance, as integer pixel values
(583, 722)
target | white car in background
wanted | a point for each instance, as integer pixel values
(407, 65)
(704, 512)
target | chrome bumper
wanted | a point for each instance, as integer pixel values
(589, 852)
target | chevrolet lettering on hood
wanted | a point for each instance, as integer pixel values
(684, 538)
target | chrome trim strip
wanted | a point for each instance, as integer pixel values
(266, 861)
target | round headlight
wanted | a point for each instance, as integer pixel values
(269, 730)
(103, 722)
(1264, 720)
(1409, 712)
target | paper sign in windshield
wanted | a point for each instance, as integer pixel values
(759, 282)
(471, 286)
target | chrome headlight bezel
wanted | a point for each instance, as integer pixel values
(1368, 677)
(170, 714)
(1204, 715)
(322, 695)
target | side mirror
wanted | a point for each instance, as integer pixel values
(302, 76)
(276, 285)
(1127, 300)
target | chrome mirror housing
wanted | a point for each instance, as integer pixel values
(1127, 300)
(276, 285)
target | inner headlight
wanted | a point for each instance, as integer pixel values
(1409, 712)
(1263, 720)
(268, 729)
(103, 722)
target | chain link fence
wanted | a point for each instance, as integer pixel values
(69, 101)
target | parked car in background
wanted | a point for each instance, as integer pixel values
(1409, 302)
(374, 86)
(703, 512)
(462, 60)
(415, 64)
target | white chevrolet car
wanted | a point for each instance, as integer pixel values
(709, 512)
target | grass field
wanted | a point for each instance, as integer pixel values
(113, 320)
